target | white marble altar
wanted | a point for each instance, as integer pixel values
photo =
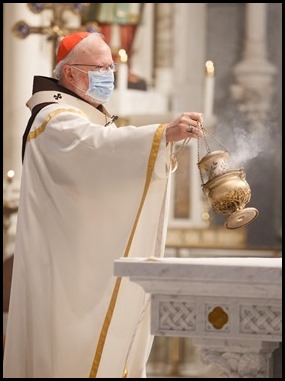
(230, 307)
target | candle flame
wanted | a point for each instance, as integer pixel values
(10, 174)
(210, 68)
(123, 55)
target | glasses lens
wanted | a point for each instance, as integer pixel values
(101, 69)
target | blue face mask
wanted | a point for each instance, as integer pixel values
(101, 85)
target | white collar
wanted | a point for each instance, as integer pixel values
(61, 97)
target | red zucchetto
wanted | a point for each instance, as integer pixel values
(68, 43)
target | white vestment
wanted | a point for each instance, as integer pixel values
(89, 195)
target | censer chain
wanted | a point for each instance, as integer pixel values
(204, 129)
(213, 136)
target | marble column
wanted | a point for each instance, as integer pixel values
(189, 56)
(254, 73)
(163, 57)
(187, 83)
(142, 59)
(22, 60)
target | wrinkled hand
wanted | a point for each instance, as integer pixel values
(187, 125)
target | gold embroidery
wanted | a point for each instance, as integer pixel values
(108, 317)
(34, 134)
(151, 162)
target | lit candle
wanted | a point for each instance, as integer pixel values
(9, 186)
(209, 89)
(10, 175)
(122, 79)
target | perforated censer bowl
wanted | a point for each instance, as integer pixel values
(227, 190)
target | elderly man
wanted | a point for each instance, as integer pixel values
(90, 193)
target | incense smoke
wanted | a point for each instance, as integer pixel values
(244, 145)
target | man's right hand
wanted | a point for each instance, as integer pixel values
(188, 124)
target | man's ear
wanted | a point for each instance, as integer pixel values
(68, 73)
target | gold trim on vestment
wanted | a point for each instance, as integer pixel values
(34, 134)
(103, 335)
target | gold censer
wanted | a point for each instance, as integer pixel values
(226, 189)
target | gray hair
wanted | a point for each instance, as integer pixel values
(76, 51)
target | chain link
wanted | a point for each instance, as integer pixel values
(180, 149)
(213, 136)
(198, 154)
(204, 129)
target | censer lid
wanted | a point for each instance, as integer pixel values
(241, 217)
(213, 155)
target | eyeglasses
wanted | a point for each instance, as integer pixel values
(100, 68)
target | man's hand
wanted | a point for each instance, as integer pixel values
(188, 124)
